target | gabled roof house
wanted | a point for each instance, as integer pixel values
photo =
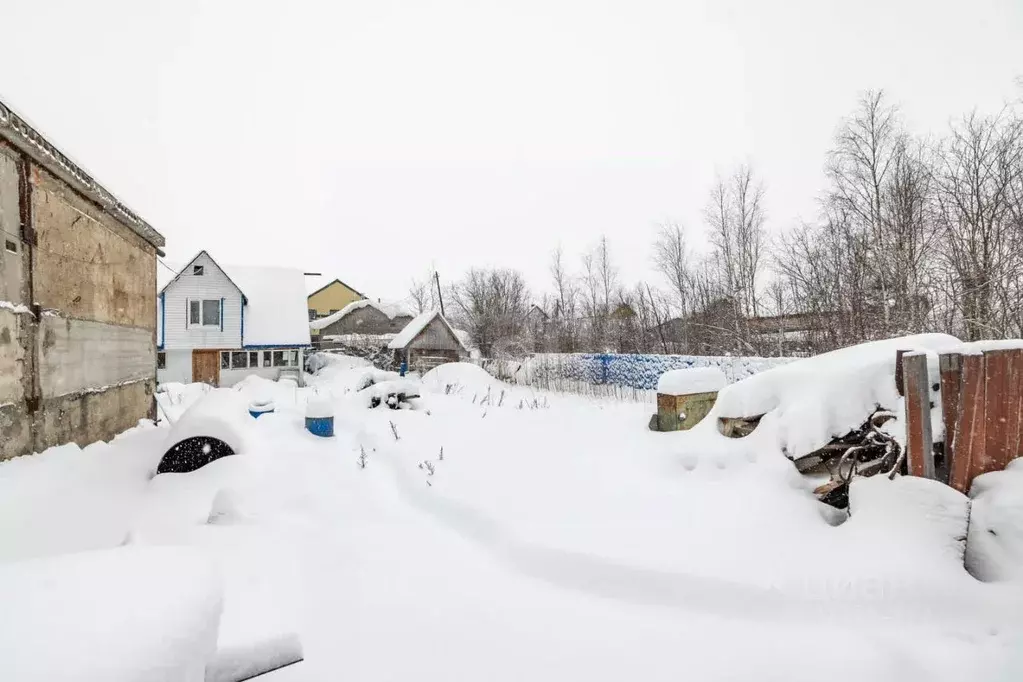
(218, 324)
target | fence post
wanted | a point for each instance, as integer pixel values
(919, 443)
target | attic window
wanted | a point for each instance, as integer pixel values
(11, 245)
(197, 270)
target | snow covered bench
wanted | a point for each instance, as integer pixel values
(685, 396)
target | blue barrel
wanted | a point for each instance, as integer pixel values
(320, 426)
(258, 408)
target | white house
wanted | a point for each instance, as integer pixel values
(218, 324)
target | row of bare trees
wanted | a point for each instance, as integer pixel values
(914, 234)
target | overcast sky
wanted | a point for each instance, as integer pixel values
(376, 140)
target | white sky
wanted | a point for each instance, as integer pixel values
(374, 140)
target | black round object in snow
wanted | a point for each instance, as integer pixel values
(193, 453)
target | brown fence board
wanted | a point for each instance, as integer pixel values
(970, 432)
(951, 367)
(1002, 372)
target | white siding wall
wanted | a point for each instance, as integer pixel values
(178, 367)
(213, 284)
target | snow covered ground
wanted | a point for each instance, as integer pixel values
(496, 533)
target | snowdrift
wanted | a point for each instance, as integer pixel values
(118, 615)
(807, 403)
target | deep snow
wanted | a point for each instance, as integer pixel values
(502, 534)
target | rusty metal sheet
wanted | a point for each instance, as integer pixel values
(1003, 370)
(919, 444)
(969, 439)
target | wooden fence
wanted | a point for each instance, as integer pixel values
(982, 412)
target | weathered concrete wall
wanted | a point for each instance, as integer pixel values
(15, 382)
(87, 265)
(76, 355)
(82, 365)
(14, 368)
(89, 417)
(12, 255)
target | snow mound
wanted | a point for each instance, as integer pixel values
(994, 549)
(688, 381)
(336, 361)
(223, 413)
(455, 376)
(124, 614)
(807, 403)
(911, 516)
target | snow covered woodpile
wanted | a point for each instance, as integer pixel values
(546, 370)
(685, 396)
(427, 341)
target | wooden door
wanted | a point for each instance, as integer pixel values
(206, 366)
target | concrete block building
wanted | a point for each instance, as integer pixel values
(77, 312)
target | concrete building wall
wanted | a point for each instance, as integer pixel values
(77, 312)
(80, 354)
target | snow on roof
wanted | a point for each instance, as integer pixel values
(416, 326)
(391, 310)
(275, 312)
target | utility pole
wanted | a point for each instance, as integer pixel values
(440, 296)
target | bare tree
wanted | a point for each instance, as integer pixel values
(493, 305)
(421, 294)
(978, 180)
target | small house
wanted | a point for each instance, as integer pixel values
(218, 324)
(363, 317)
(427, 341)
(330, 299)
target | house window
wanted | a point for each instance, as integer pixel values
(266, 358)
(279, 358)
(293, 358)
(253, 358)
(161, 361)
(205, 312)
(210, 313)
(197, 270)
(11, 245)
(240, 360)
(312, 314)
(225, 359)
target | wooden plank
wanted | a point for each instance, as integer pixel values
(1002, 373)
(951, 367)
(969, 429)
(919, 444)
